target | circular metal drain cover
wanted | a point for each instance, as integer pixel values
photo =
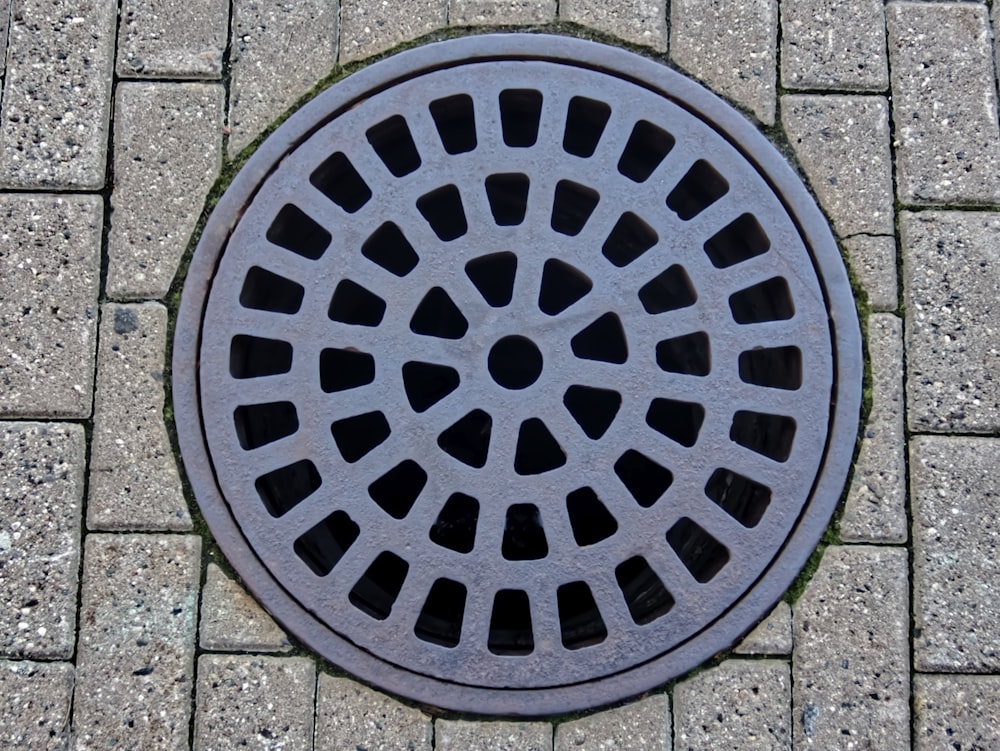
(517, 374)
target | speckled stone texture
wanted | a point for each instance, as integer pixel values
(135, 656)
(368, 28)
(475, 12)
(160, 182)
(956, 537)
(730, 47)
(134, 483)
(35, 700)
(4, 26)
(851, 661)
(249, 701)
(279, 50)
(172, 38)
(57, 94)
(49, 277)
(460, 735)
(950, 268)
(232, 621)
(833, 44)
(956, 712)
(638, 21)
(944, 103)
(349, 715)
(41, 494)
(641, 726)
(873, 261)
(772, 636)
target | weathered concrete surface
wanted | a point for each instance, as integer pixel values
(772, 636)
(348, 715)
(638, 21)
(171, 39)
(369, 28)
(642, 725)
(35, 700)
(232, 621)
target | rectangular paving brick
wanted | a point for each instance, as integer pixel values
(956, 712)
(944, 103)
(134, 484)
(772, 636)
(232, 621)
(950, 268)
(41, 494)
(638, 21)
(160, 183)
(502, 12)
(349, 715)
(873, 261)
(49, 278)
(35, 700)
(368, 28)
(643, 726)
(167, 39)
(461, 735)
(57, 94)
(4, 26)
(135, 657)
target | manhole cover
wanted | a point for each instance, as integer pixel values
(517, 374)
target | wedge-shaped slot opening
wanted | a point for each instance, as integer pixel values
(585, 123)
(580, 621)
(264, 290)
(739, 241)
(523, 534)
(455, 526)
(698, 189)
(493, 276)
(426, 384)
(589, 517)
(351, 303)
(646, 148)
(572, 206)
(260, 424)
(773, 367)
(437, 315)
(440, 620)
(644, 593)
(443, 210)
(603, 340)
(256, 357)
(701, 554)
(337, 179)
(743, 499)
(294, 230)
(322, 547)
(397, 490)
(770, 300)
(357, 436)
(669, 290)
(520, 113)
(468, 440)
(646, 480)
(377, 589)
(537, 449)
(679, 421)
(689, 354)
(593, 409)
(629, 239)
(769, 435)
(343, 369)
(562, 286)
(394, 145)
(455, 119)
(510, 624)
(283, 489)
(508, 197)
(390, 249)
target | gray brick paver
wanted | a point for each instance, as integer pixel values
(462, 735)
(475, 12)
(172, 38)
(643, 725)
(232, 621)
(368, 28)
(957, 712)
(35, 700)
(349, 715)
(772, 636)
(638, 21)
(873, 261)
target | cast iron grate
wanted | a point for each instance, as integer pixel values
(517, 374)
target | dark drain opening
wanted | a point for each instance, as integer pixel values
(510, 624)
(440, 620)
(585, 122)
(322, 547)
(377, 589)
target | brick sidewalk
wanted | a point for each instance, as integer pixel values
(118, 629)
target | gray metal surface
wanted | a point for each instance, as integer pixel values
(517, 374)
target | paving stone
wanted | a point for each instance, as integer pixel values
(134, 484)
(368, 28)
(460, 735)
(842, 143)
(279, 50)
(876, 503)
(873, 261)
(254, 702)
(730, 47)
(834, 44)
(638, 21)
(349, 715)
(944, 103)
(641, 725)
(35, 698)
(160, 182)
(957, 712)
(738, 704)
(772, 636)
(950, 269)
(41, 494)
(135, 655)
(850, 664)
(172, 38)
(956, 538)
(232, 621)
(500, 12)
(57, 94)
(4, 26)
